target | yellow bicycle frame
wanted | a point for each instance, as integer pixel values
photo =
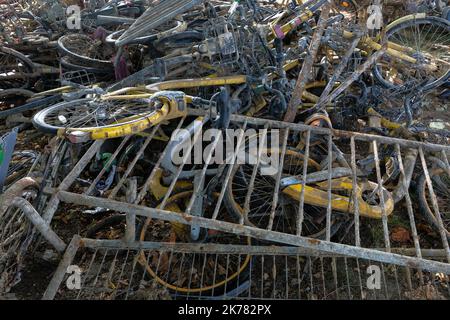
(318, 197)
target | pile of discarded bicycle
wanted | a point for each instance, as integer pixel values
(193, 149)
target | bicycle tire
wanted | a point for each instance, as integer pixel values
(16, 92)
(414, 21)
(424, 205)
(83, 60)
(66, 64)
(27, 69)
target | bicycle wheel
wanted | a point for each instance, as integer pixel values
(441, 187)
(193, 273)
(86, 51)
(262, 197)
(69, 65)
(107, 119)
(426, 40)
(16, 70)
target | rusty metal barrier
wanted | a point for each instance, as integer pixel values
(414, 261)
(113, 270)
(310, 213)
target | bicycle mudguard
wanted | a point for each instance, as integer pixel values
(115, 131)
(405, 18)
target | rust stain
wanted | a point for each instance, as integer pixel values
(188, 218)
(314, 241)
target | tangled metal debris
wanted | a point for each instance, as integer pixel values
(225, 149)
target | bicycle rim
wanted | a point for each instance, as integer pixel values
(88, 115)
(15, 69)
